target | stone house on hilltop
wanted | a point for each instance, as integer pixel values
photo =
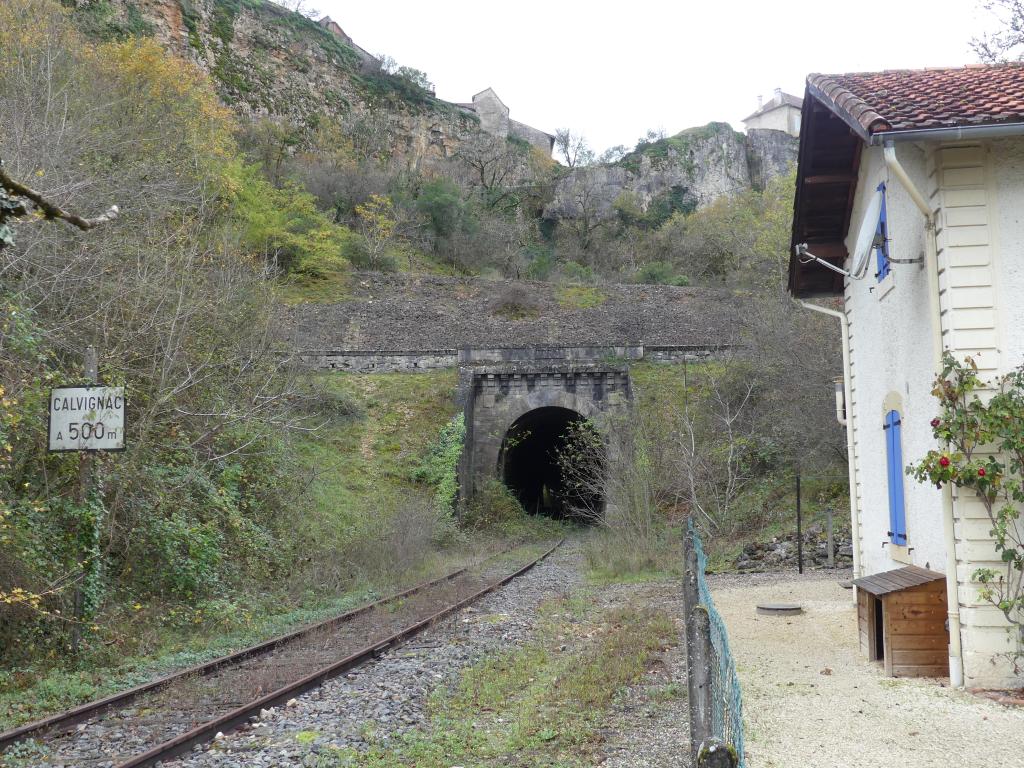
(910, 187)
(782, 113)
(495, 120)
(368, 62)
(492, 112)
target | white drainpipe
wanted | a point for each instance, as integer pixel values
(844, 326)
(956, 661)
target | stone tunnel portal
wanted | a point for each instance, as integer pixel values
(529, 464)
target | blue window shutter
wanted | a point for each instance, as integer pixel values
(894, 466)
(882, 240)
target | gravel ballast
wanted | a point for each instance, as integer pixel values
(376, 703)
(810, 700)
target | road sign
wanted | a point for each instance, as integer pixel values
(88, 418)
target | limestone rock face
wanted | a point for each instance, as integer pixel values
(689, 170)
(770, 154)
(267, 61)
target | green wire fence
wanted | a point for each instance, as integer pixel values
(726, 695)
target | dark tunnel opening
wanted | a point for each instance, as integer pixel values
(531, 469)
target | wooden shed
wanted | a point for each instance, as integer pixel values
(901, 616)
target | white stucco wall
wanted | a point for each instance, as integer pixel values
(783, 118)
(891, 356)
(978, 195)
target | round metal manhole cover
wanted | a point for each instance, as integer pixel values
(779, 609)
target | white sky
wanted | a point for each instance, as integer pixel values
(614, 70)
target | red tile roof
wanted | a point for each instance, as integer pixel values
(910, 99)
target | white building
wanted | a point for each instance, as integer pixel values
(934, 161)
(781, 113)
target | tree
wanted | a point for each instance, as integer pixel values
(613, 154)
(13, 206)
(573, 148)
(496, 167)
(1007, 43)
(377, 223)
(173, 292)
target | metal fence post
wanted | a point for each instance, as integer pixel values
(831, 538)
(799, 531)
(700, 657)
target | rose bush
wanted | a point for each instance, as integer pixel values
(982, 450)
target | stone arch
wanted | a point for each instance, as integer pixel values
(496, 396)
(529, 463)
(488, 453)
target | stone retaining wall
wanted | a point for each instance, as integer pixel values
(411, 361)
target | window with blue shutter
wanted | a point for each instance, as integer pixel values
(894, 465)
(882, 240)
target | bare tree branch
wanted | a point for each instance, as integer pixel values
(51, 210)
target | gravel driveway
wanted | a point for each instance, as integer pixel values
(810, 700)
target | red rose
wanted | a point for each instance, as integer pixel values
(944, 461)
(935, 423)
(981, 472)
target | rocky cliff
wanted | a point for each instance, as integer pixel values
(268, 61)
(682, 172)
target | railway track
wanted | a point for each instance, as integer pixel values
(157, 721)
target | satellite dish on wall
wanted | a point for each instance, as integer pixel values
(865, 242)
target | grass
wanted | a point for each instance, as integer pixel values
(610, 560)
(580, 296)
(27, 694)
(543, 704)
(330, 286)
(367, 461)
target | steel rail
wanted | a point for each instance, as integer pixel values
(78, 714)
(206, 731)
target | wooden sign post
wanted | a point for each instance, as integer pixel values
(86, 418)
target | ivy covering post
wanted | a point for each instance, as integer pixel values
(441, 468)
(984, 452)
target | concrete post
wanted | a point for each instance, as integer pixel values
(699, 657)
(714, 753)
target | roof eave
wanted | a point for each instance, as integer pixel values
(949, 133)
(827, 102)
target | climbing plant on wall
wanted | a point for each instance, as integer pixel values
(983, 451)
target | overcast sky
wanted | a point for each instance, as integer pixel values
(615, 70)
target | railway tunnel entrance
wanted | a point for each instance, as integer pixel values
(552, 458)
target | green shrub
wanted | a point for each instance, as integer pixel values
(660, 273)
(440, 203)
(576, 273)
(493, 507)
(542, 262)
